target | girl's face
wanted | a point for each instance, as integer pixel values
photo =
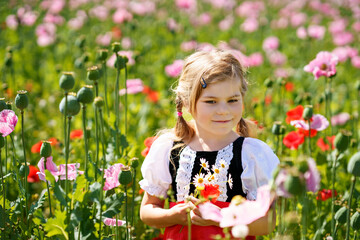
(218, 109)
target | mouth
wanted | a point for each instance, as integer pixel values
(221, 121)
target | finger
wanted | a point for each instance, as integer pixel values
(197, 211)
(195, 200)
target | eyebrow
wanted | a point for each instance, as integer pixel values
(234, 96)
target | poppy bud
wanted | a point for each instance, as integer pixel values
(308, 112)
(355, 221)
(21, 100)
(102, 54)
(268, 83)
(303, 167)
(120, 62)
(99, 102)
(340, 215)
(93, 73)
(294, 185)
(22, 170)
(134, 162)
(2, 104)
(88, 132)
(341, 141)
(276, 128)
(125, 175)
(80, 41)
(357, 85)
(67, 81)
(354, 165)
(73, 106)
(115, 47)
(85, 95)
(45, 150)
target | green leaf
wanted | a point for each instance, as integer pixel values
(50, 177)
(57, 226)
(38, 204)
(59, 194)
(114, 203)
(95, 189)
(79, 186)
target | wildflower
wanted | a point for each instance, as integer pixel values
(271, 43)
(133, 86)
(215, 169)
(199, 180)
(279, 182)
(318, 122)
(77, 133)
(33, 177)
(210, 211)
(174, 69)
(8, 121)
(210, 192)
(325, 194)
(72, 171)
(340, 119)
(222, 163)
(152, 96)
(312, 176)
(230, 181)
(323, 146)
(293, 139)
(322, 65)
(50, 165)
(111, 175)
(294, 114)
(148, 142)
(240, 231)
(112, 222)
(204, 164)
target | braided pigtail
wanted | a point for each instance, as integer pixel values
(246, 128)
(182, 129)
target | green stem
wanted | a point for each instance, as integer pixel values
(97, 142)
(25, 163)
(318, 210)
(103, 165)
(333, 194)
(3, 186)
(189, 224)
(309, 138)
(105, 88)
(126, 105)
(117, 114)
(48, 190)
(335, 231)
(282, 214)
(304, 218)
(126, 214)
(353, 180)
(66, 167)
(133, 198)
(85, 141)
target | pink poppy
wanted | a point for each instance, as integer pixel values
(343, 38)
(72, 171)
(271, 43)
(129, 54)
(111, 176)
(318, 122)
(355, 61)
(186, 4)
(104, 39)
(122, 15)
(133, 86)
(250, 25)
(312, 176)
(142, 8)
(323, 65)
(226, 23)
(316, 31)
(255, 59)
(277, 58)
(210, 211)
(338, 26)
(8, 121)
(112, 222)
(188, 46)
(340, 119)
(174, 69)
(279, 182)
(50, 165)
(298, 19)
(301, 33)
(100, 12)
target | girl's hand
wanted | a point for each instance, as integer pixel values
(196, 215)
(179, 212)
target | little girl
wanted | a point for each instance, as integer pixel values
(211, 88)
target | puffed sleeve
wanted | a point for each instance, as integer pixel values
(258, 162)
(155, 168)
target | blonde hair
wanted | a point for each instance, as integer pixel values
(205, 67)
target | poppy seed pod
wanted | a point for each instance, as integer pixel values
(102, 54)
(99, 102)
(341, 141)
(294, 185)
(22, 170)
(45, 150)
(308, 112)
(268, 83)
(85, 95)
(276, 128)
(9, 105)
(21, 100)
(67, 81)
(340, 215)
(303, 167)
(120, 62)
(2, 104)
(134, 162)
(354, 165)
(93, 73)
(355, 221)
(115, 47)
(125, 175)
(73, 106)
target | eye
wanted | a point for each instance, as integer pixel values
(233, 100)
(210, 102)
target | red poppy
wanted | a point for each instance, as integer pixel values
(77, 133)
(294, 114)
(141, 191)
(210, 192)
(268, 100)
(325, 194)
(148, 142)
(54, 142)
(306, 132)
(289, 86)
(152, 96)
(36, 147)
(33, 177)
(324, 146)
(116, 32)
(293, 139)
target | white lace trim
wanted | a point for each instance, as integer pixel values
(153, 190)
(225, 154)
(183, 175)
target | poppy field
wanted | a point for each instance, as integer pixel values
(87, 84)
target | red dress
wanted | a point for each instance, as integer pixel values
(180, 232)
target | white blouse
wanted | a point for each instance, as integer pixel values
(258, 163)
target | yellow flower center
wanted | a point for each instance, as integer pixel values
(200, 180)
(216, 170)
(223, 165)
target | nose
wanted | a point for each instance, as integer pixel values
(222, 109)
